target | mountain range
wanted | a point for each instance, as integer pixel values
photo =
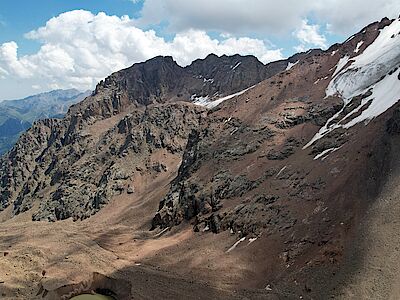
(225, 179)
(16, 116)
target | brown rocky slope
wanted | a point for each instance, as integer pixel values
(183, 201)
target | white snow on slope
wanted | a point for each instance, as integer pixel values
(324, 154)
(205, 101)
(385, 94)
(367, 71)
(280, 172)
(358, 46)
(340, 65)
(367, 68)
(252, 240)
(235, 245)
(210, 80)
(237, 65)
(319, 79)
(291, 65)
(200, 100)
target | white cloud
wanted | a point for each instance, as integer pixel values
(266, 16)
(309, 36)
(345, 17)
(300, 48)
(80, 48)
(9, 62)
(231, 16)
(187, 46)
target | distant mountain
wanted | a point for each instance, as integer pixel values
(16, 116)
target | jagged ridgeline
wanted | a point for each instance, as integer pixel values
(74, 166)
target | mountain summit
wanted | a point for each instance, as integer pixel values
(225, 179)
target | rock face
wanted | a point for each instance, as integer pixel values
(71, 166)
(161, 80)
(230, 74)
(275, 160)
(93, 170)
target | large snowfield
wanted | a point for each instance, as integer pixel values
(376, 70)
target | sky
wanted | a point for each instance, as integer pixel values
(53, 44)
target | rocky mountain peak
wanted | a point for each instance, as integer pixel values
(146, 82)
(161, 80)
(229, 74)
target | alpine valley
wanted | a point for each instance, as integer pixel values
(225, 179)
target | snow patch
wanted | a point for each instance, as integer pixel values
(161, 232)
(234, 131)
(237, 65)
(385, 94)
(320, 79)
(200, 100)
(291, 65)
(324, 154)
(236, 244)
(205, 101)
(228, 120)
(252, 240)
(279, 173)
(340, 65)
(358, 46)
(323, 130)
